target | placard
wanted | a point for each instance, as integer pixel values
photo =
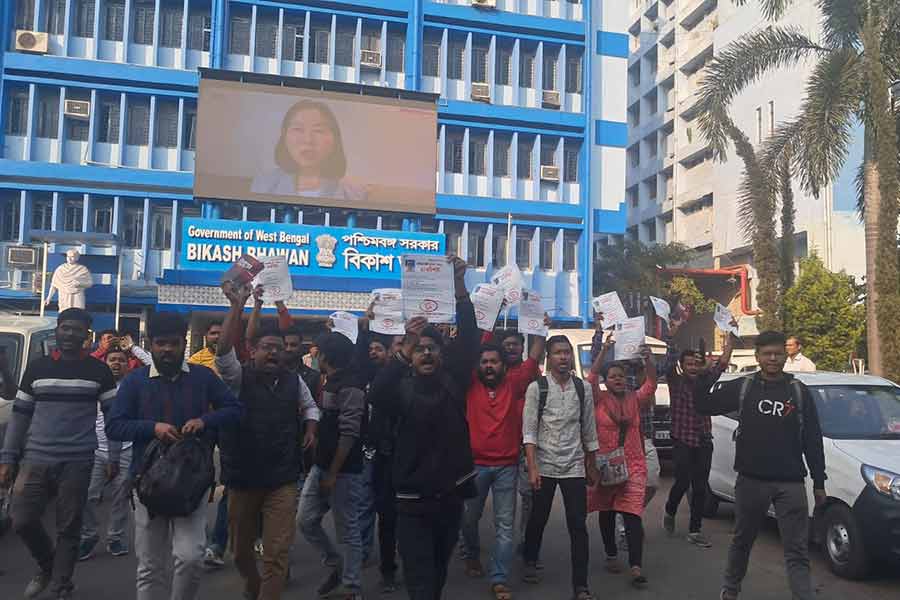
(428, 289)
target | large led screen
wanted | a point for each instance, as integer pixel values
(285, 144)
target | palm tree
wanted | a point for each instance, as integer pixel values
(857, 59)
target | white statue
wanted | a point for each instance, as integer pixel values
(70, 279)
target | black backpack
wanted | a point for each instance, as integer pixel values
(175, 478)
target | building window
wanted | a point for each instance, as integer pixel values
(319, 40)
(455, 59)
(548, 155)
(103, 218)
(292, 45)
(453, 234)
(771, 117)
(371, 40)
(476, 247)
(395, 48)
(526, 70)
(161, 230)
(549, 74)
(25, 14)
(170, 19)
(573, 75)
(503, 67)
(77, 130)
(48, 114)
(239, 35)
(199, 31)
(266, 35)
(133, 225)
(343, 48)
(570, 251)
(523, 166)
(56, 17)
(548, 242)
(42, 214)
(17, 115)
(479, 64)
(453, 160)
(431, 61)
(651, 230)
(501, 157)
(499, 248)
(84, 19)
(523, 250)
(570, 172)
(137, 129)
(9, 218)
(108, 122)
(144, 15)
(477, 156)
(189, 139)
(73, 215)
(759, 125)
(166, 135)
(113, 20)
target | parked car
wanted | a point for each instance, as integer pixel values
(860, 420)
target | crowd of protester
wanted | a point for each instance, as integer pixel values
(401, 438)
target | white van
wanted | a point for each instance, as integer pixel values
(860, 420)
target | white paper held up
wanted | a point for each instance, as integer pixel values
(486, 299)
(275, 279)
(427, 287)
(611, 306)
(661, 307)
(346, 324)
(629, 336)
(509, 279)
(387, 306)
(531, 314)
(723, 319)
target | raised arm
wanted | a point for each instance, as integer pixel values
(600, 359)
(285, 321)
(720, 402)
(645, 393)
(725, 358)
(237, 297)
(253, 321)
(461, 355)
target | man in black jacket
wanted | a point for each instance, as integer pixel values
(779, 426)
(433, 471)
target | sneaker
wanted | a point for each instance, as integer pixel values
(37, 585)
(65, 592)
(699, 540)
(388, 584)
(86, 549)
(352, 596)
(669, 523)
(116, 548)
(212, 560)
(726, 595)
(330, 585)
(258, 548)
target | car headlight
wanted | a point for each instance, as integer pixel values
(884, 482)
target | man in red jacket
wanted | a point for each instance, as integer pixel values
(494, 404)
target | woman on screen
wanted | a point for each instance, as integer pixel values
(310, 157)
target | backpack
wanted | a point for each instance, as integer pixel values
(544, 390)
(796, 396)
(175, 478)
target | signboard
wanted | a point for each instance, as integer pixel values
(214, 244)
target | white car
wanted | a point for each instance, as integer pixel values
(860, 420)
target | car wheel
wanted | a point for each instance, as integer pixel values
(710, 504)
(843, 543)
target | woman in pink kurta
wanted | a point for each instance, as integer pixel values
(617, 407)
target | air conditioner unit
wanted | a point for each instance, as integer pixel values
(484, 3)
(22, 257)
(549, 173)
(370, 59)
(77, 109)
(31, 41)
(550, 99)
(481, 92)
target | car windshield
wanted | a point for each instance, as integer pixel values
(858, 412)
(11, 345)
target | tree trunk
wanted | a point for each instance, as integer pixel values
(872, 194)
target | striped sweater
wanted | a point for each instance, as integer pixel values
(54, 414)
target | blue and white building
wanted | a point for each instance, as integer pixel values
(99, 110)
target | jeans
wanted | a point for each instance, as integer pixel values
(575, 501)
(634, 535)
(387, 513)
(217, 540)
(159, 540)
(751, 505)
(365, 500)
(120, 508)
(692, 465)
(314, 506)
(278, 507)
(502, 481)
(427, 536)
(35, 485)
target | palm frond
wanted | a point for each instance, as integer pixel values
(842, 22)
(771, 9)
(860, 183)
(741, 64)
